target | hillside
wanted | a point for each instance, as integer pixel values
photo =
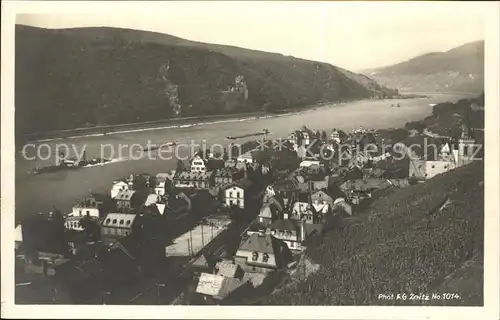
(422, 239)
(80, 77)
(458, 70)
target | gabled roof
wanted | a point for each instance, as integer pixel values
(284, 225)
(322, 194)
(152, 199)
(125, 195)
(215, 285)
(242, 183)
(226, 172)
(193, 176)
(259, 243)
(119, 220)
(226, 269)
(286, 185)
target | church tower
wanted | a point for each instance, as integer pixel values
(465, 147)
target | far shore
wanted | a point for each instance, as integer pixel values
(109, 129)
(105, 129)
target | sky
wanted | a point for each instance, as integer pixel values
(352, 35)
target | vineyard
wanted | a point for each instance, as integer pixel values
(407, 242)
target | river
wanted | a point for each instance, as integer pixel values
(38, 193)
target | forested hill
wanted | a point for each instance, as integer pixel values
(69, 78)
(460, 69)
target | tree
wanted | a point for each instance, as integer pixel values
(180, 166)
(91, 228)
(324, 136)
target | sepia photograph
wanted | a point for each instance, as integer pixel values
(326, 154)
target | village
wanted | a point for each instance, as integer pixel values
(221, 227)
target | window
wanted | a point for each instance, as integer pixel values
(230, 202)
(114, 221)
(128, 222)
(255, 256)
(88, 212)
(237, 194)
(433, 166)
(265, 257)
(122, 221)
(230, 194)
(108, 220)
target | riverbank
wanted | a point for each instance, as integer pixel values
(174, 123)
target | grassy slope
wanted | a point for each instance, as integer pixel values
(441, 71)
(401, 244)
(109, 76)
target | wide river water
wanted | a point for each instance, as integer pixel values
(37, 193)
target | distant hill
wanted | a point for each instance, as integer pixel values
(458, 70)
(67, 78)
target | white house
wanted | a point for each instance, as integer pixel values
(161, 180)
(117, 187)
(117, 225)
(84, 208)
(335, 136)
(198, 164)
(292, 232)
(236, 193)
(447, 159)
(248, 157)
(73, 223)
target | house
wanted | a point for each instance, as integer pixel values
(237, 193)
(152, 198)
(287, 189)
(124, 200)
(249, 157)
(73, 223)
(198, 164)
(216, 286)
(303, 211)
(335, 136)
(321, 197)
(162, 181)
(117, 225)
(429, 163)
(292, 232)
(87, 206)
(230, 163)
(262, 253)
(117, 187)
(225, 176)
(268, 213)
(196, 180)
(228, 269)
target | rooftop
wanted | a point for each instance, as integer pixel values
(121, 220)
(284, 225)
(259, 243)
(125, 194)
